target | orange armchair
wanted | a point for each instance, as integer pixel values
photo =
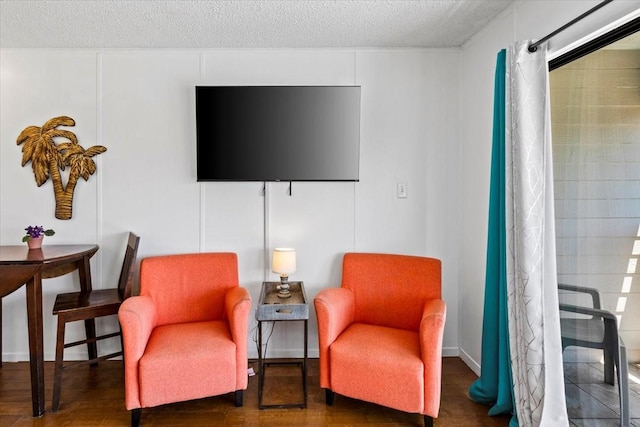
(185, 335)
(380, 333)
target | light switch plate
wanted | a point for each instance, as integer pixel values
(402, 190)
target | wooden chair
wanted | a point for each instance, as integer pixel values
(74, 306)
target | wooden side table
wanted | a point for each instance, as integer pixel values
(271, 308)
(50, 261)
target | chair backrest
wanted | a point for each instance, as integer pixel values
(391, 290)
(189, 287)
(577, 290)
(125, 282)
(598, 331)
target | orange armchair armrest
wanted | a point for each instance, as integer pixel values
(137, 316)
(431, 332)
(335, 309)
(238, 305)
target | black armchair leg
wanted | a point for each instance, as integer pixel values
(239, 398)
(428, 421)
(135, 417)
(329, 396)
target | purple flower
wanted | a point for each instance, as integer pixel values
(35, 231)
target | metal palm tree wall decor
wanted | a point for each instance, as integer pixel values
(49, 156)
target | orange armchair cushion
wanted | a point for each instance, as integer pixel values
(168, 373)
(370, 354)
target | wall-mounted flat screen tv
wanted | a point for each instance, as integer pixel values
(278, 133)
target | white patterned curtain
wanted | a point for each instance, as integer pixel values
(534, 324)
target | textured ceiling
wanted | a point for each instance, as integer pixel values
(242, 23)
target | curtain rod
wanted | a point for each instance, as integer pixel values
(534, 46)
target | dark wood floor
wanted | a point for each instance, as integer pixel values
(95, 397)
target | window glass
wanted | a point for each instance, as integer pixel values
(595, 111)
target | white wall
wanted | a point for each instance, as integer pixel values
(525, 20)
(140, 105)
(426, 121)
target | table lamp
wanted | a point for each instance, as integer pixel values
(284, 263)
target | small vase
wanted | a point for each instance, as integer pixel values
(35, 242)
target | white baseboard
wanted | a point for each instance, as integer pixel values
(283, 353)
(80, 354)
(253, 354)
(314, 353)
(471, 363)
(450, 352)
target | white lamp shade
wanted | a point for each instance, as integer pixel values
(284, 261)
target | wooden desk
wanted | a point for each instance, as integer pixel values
(19, 266)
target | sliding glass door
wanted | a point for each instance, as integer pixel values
(595, 113)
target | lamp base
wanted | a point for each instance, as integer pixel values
(284, 291)
(283, 287)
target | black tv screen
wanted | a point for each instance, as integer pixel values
(278, 133)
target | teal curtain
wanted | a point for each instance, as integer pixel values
(495, 385)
